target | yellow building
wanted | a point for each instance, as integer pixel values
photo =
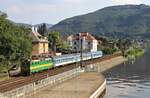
(39, 43)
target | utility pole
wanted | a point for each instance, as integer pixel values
(81, 53)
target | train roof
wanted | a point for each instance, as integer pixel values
(75, 54)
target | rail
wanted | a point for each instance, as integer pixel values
(33, 87)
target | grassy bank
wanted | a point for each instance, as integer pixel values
(2, 78)
(134, 53)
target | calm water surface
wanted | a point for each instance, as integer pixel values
(130, 80)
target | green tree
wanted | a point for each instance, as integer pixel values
(3, 15)
(123, 45)
(43, 29)
(54, 40)
(15, 44)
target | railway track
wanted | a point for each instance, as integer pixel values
(21, 81)
(18, 82)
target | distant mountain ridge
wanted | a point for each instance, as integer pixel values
(36, 25)
(114, 21)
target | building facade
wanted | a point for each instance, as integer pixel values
(83, 41)
(39, 43)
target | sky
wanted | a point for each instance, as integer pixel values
(53, 11)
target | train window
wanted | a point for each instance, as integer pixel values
(58, 61)
(75, 43)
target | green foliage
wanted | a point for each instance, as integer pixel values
(55, 41)
(116, 21)
(134, 52)
(109, 50)
(3, 15)
(14, 44)
(124, 45)
(43, 29)
(64, 45)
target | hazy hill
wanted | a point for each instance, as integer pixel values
(36, 25)
(122, 21)
(47, 25)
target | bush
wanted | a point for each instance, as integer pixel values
(109, 50)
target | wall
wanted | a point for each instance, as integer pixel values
(108, 64)
(29, 89)
(38, 48)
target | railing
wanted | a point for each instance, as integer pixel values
(99, 91)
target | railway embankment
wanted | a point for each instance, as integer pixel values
(108, 63)
(81, 79)
(88, 84)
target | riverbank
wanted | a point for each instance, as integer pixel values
(134, 53)
(85, 85)
(109, 63)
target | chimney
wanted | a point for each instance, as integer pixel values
(80, 34)
(87, 33)
(33, 29)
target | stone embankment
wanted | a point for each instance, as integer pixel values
(81, 86)
(88, 84)
(108, 64)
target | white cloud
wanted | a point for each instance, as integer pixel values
(53, 11)
(127, 1)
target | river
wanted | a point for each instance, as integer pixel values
(129, 80)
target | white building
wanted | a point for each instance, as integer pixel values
(89, 43)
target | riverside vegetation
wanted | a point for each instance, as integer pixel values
(134, 53)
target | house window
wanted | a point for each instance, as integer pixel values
(89, 43)
(75, 43)
(75, 48)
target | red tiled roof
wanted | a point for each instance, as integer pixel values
(82, 35)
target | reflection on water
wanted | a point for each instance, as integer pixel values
(130, 80)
